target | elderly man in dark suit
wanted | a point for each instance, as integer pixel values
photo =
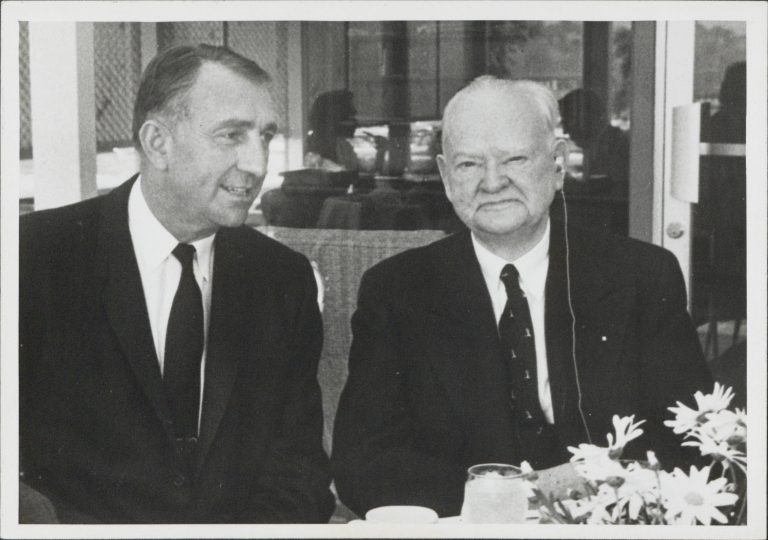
(514, 339)
(168, 353)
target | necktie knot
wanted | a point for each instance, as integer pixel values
(185, 253)
(510, 277)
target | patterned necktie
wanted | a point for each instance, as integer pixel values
(516, 335)
(184, 348)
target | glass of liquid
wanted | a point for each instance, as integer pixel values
(494, 493)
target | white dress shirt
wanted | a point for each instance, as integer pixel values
(532, 268)
(160, 272)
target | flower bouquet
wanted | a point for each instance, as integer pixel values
(618, 491)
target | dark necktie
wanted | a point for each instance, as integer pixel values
(516, 335)
(184, 348)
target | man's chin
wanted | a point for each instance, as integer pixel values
(502, 226)
(233, 218)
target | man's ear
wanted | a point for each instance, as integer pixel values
(156, 142)
(560, 152)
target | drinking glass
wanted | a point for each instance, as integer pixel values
(494, 493)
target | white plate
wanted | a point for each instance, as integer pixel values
(531, 516)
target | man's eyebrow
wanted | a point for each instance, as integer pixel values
(234, 123)
(244, 124)
(466, 154)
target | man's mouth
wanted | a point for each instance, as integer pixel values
(498, 204)
(238, 191)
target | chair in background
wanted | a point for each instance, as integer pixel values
(298, 202)
(342, 256)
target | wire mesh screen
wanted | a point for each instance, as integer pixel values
(117, 70)
(266, 43)
(189, 33)
(25, 128)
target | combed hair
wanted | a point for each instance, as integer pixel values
(172, 73)
(541, 96)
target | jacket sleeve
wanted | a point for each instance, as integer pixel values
(376, 458)
(295, 484)
(673, 366)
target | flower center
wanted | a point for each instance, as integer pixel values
(702, 417)
(614, 481)
(694, 499)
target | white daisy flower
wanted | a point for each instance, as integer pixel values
(640, 488)
(692, 498)
(686, 418)
(726, 425)
(719, 451)
(586, 452)
(626, 430)
(718, 400)
(601, 468)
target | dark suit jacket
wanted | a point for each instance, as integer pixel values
(426, 396)
(95, 431)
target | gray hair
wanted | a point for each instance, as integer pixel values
(540, 95)
(173, 72)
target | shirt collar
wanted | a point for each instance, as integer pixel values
(532, 266)
(153, 243)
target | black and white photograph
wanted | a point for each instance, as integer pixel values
(436, 269)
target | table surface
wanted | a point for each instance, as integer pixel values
(532, 516)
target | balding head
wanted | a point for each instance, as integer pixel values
(501, 162)
(503, 92)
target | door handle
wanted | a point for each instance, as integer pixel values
(675, 230)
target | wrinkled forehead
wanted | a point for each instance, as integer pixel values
(219, 91)
(496, 117)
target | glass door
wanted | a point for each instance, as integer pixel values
(703, 210)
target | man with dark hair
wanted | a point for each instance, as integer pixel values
(514, 339)
(167, 353)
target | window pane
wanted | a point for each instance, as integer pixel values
(367, 68)
(25, 127)
(549, 52)
(117, 71)
(422, 69)
(718, 258)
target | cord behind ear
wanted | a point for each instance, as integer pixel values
(579, 395)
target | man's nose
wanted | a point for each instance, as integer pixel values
(494, 177)
(253, 156)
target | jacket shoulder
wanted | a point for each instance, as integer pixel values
(59, 229)
(414, 259)
(619, 251)
(411, 273)
(600, 258)
(258, 245)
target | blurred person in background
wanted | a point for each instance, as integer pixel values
(605, 147)
(332, 123)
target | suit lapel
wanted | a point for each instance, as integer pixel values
(466, 352)
(601, 304)
(558, 325)
(123, 298)
(230, 335)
